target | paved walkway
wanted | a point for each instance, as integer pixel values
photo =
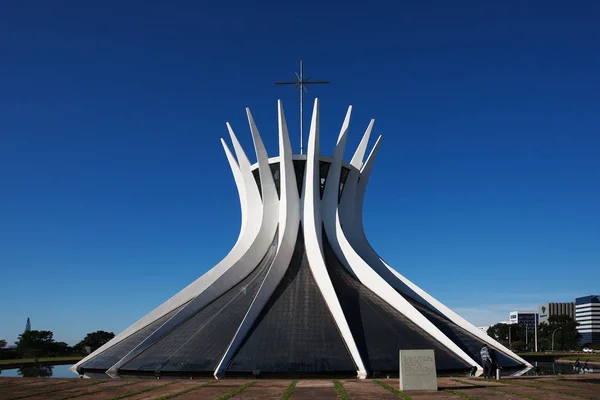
(533, 388)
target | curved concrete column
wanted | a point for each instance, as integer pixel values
(289, 220)
(352, 260)
(312, 224)
(259, 224)
(352, 207)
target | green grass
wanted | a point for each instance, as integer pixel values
(341, 392)
(583, 357)
(126, 395)
(74, 395)
(459, 394)
(52, 391)
(289, 391)
(20, 361)
(565, 355)
(236, 391)
(398, 393)
(184, 391)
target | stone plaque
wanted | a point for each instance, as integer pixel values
(417, 370)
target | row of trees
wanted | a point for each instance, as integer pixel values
(518, 338)
(34, 344)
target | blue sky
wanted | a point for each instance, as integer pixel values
(115, 192)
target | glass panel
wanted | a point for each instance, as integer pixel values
(198, 344)
(257, 179)
(343, 177)
(275, 172)
(111, 356)
(299, 167)
(468, 342)
(379, 329)
(323, 171)
(295, 331)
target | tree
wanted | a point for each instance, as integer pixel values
(501, 333)
(565, 332)
(519, 345)
(35, 343)
(58, 349)
(2, 351)
(94, 340)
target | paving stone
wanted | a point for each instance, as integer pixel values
(24, 382)
(366, 389)
(272, 389)
(486, 394)
(593, 379)
(505, 385)
(43, 387)
(534, 393)
(447, 383)
(533, 389)
(314, 390)
(76, 391)
(439, 395)
(443, 383)
(571, 387)
(122, 390)
(583, 382)
(32, 387)
(212, 391)
(160, 391)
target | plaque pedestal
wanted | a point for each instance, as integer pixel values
(417, 370)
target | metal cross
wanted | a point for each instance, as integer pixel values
(302, 82)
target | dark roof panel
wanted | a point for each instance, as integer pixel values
(295, 332)
(198, 344)
(379, 329)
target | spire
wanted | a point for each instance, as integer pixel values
(302, 84)
(28, 325)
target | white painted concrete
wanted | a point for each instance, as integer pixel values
(311, 220)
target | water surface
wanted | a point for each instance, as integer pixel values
(40, 371)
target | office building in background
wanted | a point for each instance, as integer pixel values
(527, 319)
(587, 314)
(549, 309)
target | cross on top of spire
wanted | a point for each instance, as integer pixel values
(302, 82)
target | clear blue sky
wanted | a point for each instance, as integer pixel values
(115, 192)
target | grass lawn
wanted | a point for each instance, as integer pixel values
(566, 355)
(19, 361)
(582, 357)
